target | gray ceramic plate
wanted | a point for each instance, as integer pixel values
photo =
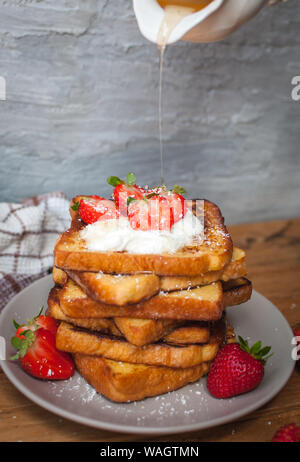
(190, 408)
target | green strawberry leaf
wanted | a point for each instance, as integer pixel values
(131, 179)
(114, 180)
(14, 357)
(75, 206)
(16, 324)
(129, 200)
(151, 195)
(264, 351)
(255, 348)
(178, 189)
(243, 344)
(23, 349)
(39, 314)
(16, 342)
(256, 351)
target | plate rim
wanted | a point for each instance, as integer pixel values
(130, 429)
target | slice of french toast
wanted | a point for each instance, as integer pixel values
(139, 332)
(209, 254)
(201, 304)
(125, 382)
(191, 333)
(104, 325)
(126, 289)
(73, 339)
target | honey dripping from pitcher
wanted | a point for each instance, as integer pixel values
(175, 11)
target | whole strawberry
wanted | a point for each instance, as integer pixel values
(237, 369)
(287, 434)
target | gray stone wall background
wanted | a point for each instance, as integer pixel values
(82, 88)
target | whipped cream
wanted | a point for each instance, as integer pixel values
(118, 236)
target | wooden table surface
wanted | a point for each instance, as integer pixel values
(273, 260)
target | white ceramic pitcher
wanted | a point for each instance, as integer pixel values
(214, 22)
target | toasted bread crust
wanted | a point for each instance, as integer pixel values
(236, 291)
(77, 340)
(104, 325)
(141, 332)
(201, 304)
(129, 289)
(123, 382)
(187, 334)
(213, 254)
(116, 290)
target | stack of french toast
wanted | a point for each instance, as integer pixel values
(143, 324)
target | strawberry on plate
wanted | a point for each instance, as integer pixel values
(124, 190)
(37, 352)
(237, 369)
(96, 208)
(296, 331)
(151, 213)
(39, 320)
(288, 434)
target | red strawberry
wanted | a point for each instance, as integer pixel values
(287, 434)
(176, 201)
(178, 204)
(95, 208)
(237, 369)
(152, 214)
(37, 351)
(39, 320)
(296, 331)
(124, 190)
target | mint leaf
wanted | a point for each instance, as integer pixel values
(131, 179)
(114, 180)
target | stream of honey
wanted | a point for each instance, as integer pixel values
(175, 11)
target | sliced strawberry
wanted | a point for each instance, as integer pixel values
(121, 194)
(44, 361)
(37, 351)
(39, 320)
(138, 215)
(178, 204)
(123, 190)
(96, 208)
(152, 214)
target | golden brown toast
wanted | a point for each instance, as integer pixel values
(236, 291)
(116, 289)
(104, 325)
(211, 254)
(235, 269)
(192, 333)
(139, 331)
(77, 340)
(125, 382)
(126, 289)
(201, 304)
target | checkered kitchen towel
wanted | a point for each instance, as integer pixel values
(28, 232)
